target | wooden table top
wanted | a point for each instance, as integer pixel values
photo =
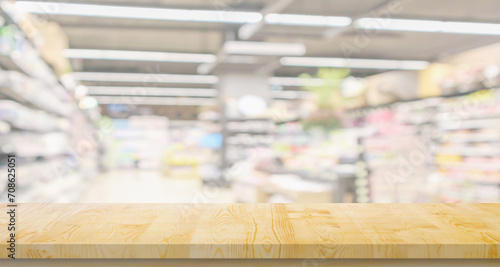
(254, 231)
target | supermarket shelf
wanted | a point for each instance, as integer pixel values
(468, 194)
(15, 129)
(249, 132)
(409, 101)
(470, 124)
(248, 145)
(62, 110)
(478, 116)
(37, 109)
(246, 119)
(470, 180)
(64, 189)
(470, 166)
(23, 118)
(469, 151)
(32, 145)
(240, 134)
(471, 138)
(33, 172)
(464, 181)
(7, 63)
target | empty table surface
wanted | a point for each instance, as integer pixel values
(254, 231)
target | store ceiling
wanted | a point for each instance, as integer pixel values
(198, 37)
(202, 37)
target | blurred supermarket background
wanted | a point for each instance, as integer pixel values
(206, 101)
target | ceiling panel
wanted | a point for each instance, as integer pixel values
(146, 40)
(331, 7)
(134, 66)
(458, 10)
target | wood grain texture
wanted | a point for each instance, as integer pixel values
(255, 231)
(247, 263)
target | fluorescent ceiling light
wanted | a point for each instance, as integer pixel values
(145, 77)
(138, 55)
(57, 8)
(206, 68)
(151, 91)
(290, 94)
(428, 26)
(307, 20)
(157, 92)
(292, 81)
(354, 63)
(264, 48)
(167, 101)
(398, 24)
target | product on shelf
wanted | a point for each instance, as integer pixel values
(467, 154)
(438, 149)
(242, 135)
(24, 118)
(140, 141)
(33, 92)
(396, 156)
(40, 122)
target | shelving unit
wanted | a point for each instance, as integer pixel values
(42, 124)
(395, 152)
(349, 170)
(242, 134)
(140, 141)
(299, 169)
(458, 134)
(468, 152)
(211, 142)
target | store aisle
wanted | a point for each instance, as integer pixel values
(140, 186)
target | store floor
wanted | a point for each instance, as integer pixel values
(141, 186)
